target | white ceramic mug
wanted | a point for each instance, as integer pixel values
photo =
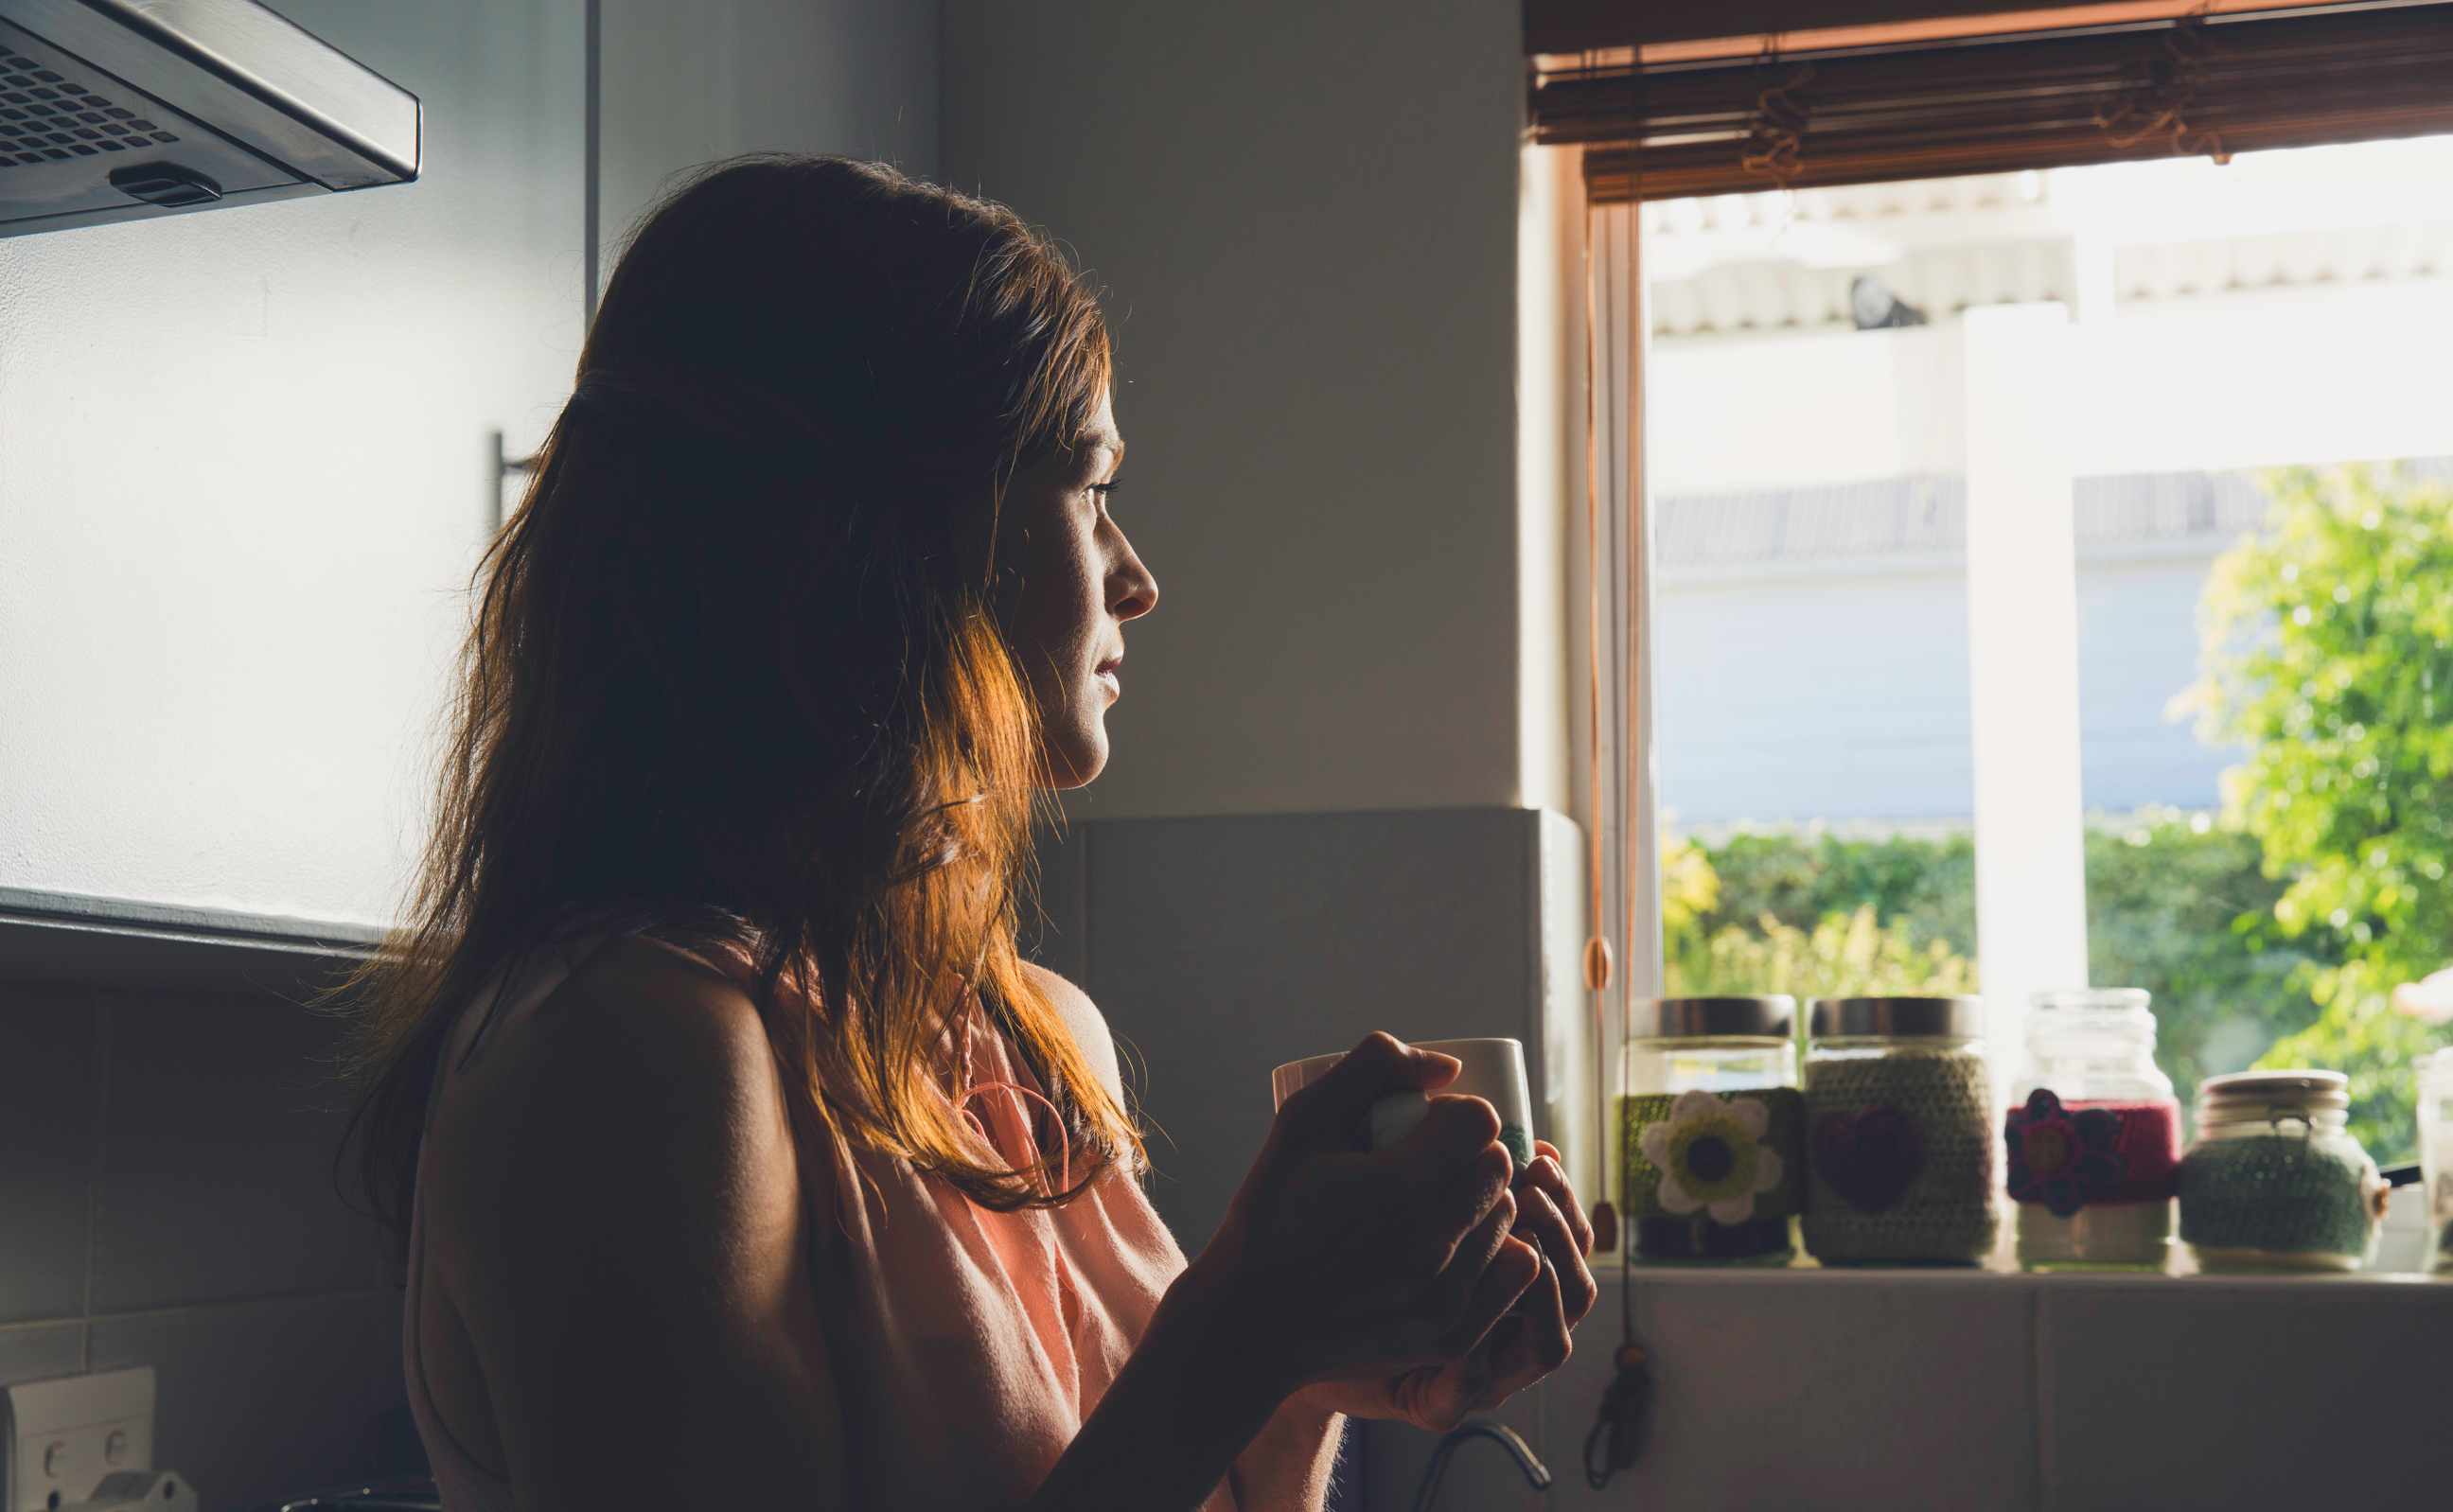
(1494, 1071)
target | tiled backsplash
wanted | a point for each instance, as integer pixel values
(167, 1198)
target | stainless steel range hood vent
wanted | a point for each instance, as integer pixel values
(118, 110)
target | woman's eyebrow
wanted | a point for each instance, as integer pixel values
(1105, 444)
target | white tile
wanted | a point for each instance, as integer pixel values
(41, 1351)
(224, 1120)
(2269, 1392)
(259, 1401)
(1808, 1389)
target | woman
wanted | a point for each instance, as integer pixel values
(740, 1158)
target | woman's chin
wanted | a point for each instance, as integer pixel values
(1077, 759)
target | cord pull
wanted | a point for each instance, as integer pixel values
(1618, 1430)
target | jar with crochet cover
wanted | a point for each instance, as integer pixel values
(2093, 1136)
(1711, 1146)
(1900, 1132)
(2274, 1179)
(2434, 1072)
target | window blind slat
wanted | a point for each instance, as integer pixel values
(2203, 87)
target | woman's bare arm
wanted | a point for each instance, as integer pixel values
(1286, 1465)
(617, 1214)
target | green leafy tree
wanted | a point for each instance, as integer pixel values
(2329, 655)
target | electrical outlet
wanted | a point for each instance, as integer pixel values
(139, 1491)
(64, 1436)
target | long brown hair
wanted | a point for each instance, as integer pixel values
(728, 668)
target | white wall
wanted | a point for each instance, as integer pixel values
(1838, 690)
(1308, 215)
(244, 458)
(2317, 375)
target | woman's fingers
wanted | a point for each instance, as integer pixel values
(1457, 1171)
(1452, 1291)
(1513, 1266)
(1538, 1346)
(1552, 1176)
(1541, 1220)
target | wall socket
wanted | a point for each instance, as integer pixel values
(64, 1436)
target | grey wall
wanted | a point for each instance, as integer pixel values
(167, 1181)
(1306, 216)
(684, 84)
(1220, 947)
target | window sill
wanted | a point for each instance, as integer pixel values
(1911, 1277)
(1999, 1389)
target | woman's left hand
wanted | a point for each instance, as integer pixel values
(1521, 1348)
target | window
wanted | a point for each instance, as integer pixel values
(1947, 479)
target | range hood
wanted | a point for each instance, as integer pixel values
(119, 110)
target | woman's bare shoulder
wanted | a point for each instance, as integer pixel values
(618, 1208)
(1082, 1018)
(640, 998)
(646, 1063)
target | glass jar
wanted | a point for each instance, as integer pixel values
(1711, 1130)
(1899, 1118)
(2093, 1136)
(2274, 1181)
(2434, 1074)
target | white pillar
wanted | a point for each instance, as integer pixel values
(2022, 666)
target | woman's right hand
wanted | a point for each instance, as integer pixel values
(1338, 1264)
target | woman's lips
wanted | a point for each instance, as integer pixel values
(1106, 675)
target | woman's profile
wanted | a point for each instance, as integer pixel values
(738, 1156)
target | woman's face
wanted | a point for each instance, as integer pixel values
(1067, 582)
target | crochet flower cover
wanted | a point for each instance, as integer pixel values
(2057, 1156)
(1734, 1158)
(2066, 1156)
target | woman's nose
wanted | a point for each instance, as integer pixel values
(1131, 591)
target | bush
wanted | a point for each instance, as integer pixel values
(1926, 887)
(1843, 955)
(2175, 904)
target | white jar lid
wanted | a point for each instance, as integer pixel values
(2252, 1094)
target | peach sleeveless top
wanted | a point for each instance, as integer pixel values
(967, 1346)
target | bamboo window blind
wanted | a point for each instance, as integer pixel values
(2200, 85)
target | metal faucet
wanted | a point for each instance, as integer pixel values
(1536, 1473)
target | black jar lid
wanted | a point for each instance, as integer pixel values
(1767, 1017)
(1960, 1018)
